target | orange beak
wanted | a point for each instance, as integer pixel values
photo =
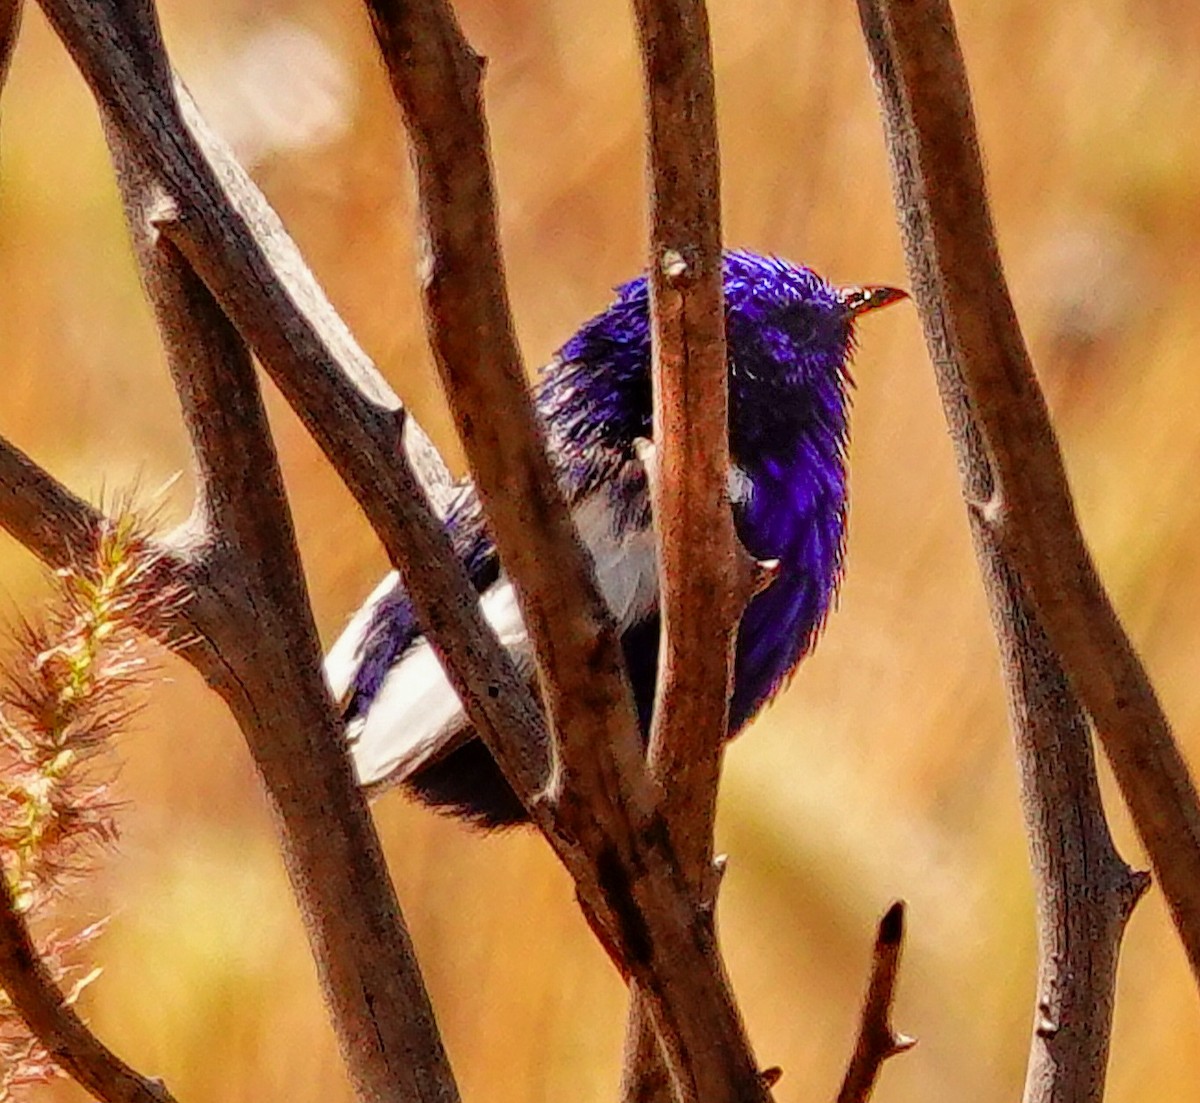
(859, 300)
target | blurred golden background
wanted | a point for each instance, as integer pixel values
(885, 770)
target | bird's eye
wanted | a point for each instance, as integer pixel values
(799, 322)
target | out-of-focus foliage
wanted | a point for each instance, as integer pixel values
(885, 769)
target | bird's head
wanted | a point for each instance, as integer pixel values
(790, 336)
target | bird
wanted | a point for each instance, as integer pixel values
(790, 338)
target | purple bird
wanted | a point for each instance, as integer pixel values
(790, 338)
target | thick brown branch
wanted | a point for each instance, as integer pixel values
(976, 345)
(436, 78)
(55, 1023)
(56, 525)
(1085, 892)
(249, 600)
(219, 220)
(705, 576)
(600, 813)
(877, 1041)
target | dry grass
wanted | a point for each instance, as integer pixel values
(885, 770)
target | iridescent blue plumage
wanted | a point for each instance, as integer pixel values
(790, 335)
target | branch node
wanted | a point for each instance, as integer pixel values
(162, 210)
(990, 512)
(1133, 887)
(1047, 1025)
(674, 266)
(712, 884)
(647, 456)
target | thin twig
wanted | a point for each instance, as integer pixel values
(55, 1023)
(877, 1040)
(976, 345)
(1085, 892)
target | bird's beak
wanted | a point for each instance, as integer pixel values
(858, 300)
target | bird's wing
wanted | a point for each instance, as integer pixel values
(401, 711)
(414, 716)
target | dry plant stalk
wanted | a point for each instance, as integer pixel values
(706, 577)
(64, 694)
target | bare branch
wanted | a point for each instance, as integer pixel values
(63, 531)
(984, 368)
(220, 221)
(705, 576)
(56, 1024)
(43, 514)
(251, 602)
(1085, 892)
(600, 813)
(877, 1041)
(436, 78)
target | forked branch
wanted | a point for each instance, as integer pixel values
(1039, 580)
(705, 575)
(983, 368)
(602, 813)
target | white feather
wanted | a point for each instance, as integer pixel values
(417, 716)
(344, 656)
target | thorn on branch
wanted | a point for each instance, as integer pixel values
(765, 573)
(1047, 1026)
(770, 1076)
(877, 1040)
(1136, 884)
(990, 511)
(162, 211)
(712, 884)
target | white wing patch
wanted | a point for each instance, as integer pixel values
(344, 656)
(417, 716)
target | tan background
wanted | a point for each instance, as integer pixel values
(885, 770)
